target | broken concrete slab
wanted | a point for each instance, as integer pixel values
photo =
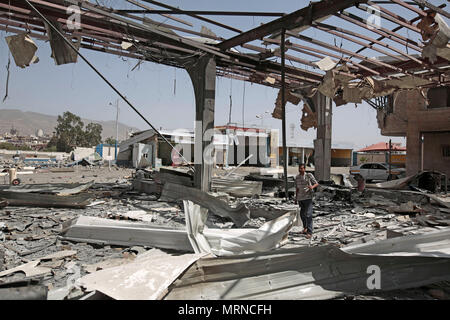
(147, 186)
(174, 192)
(32, 268)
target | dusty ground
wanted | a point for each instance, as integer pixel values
(27, 234)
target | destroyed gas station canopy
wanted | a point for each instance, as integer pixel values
(420, 59)
(389, 46)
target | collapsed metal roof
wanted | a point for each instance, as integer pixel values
(252, 55)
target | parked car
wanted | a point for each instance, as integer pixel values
(377, 171)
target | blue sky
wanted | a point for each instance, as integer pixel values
(50, 89)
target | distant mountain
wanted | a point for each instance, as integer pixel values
(27, 122)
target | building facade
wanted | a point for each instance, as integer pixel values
(423, 117)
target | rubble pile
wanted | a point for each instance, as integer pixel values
(56, 248)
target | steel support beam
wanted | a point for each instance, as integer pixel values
(296, 19)
(283, 110)
(202, 72)
(322, 144)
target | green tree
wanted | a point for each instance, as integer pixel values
(69, 133)
(110, 140)
(93, 135)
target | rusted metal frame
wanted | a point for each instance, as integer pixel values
(7, 28)
(301, 48)
(400, 27)
(290, 57)
(168, 16)
(210, 13)
(122, 36)
(389, 15)
(361, 43)
(372, 42)
(160, 24)
(381, 31)
(344, 51)
(46, 4)
(409, 65)
(264, 65)
(410, 7)
(15, 8)
(138, 26)
(299, 18)
(151, 29)
(168, 26)
(352, 65)
(163, 5)
(23, 25)
(294, 73)
(342, 35)
(432, 7)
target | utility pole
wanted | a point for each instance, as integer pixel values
(117, 127)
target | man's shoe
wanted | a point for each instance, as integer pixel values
(305, 231)
(308, 235)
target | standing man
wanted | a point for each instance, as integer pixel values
(305, 183)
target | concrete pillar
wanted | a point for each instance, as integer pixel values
(12, 175)
(413, 151)
(322, 145)
(202, 72)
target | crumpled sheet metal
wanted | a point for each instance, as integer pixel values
(146, 278)
(62, 189)
(197, 238)
(222, 242)
(277, 112)
(62, 53)
(432, 244)
(174, 192)
(45, 200)
(322, 272)
(22, 48)
(436, 31)
(237, 188)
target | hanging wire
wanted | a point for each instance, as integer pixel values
(106, 80)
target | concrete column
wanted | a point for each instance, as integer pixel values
(202, 72)
(413, 151)
(322, 145)
(12, 175)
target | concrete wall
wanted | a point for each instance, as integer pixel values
(433, 156)
(411, 118)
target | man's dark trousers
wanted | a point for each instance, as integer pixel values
(306, 212)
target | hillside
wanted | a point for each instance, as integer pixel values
(27, 122)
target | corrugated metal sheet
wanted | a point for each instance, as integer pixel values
(303, 273)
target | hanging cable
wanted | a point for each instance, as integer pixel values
(243, 106)
(104, 79)
(231, 100)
